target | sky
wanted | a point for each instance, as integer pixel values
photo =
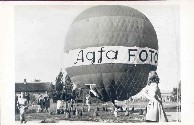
(40, 35)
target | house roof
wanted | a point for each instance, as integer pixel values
(32, 87)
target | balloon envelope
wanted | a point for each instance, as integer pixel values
(111, 26)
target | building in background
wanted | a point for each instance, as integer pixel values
(34, 87)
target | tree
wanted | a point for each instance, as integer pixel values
(176, 93)
(59, 82)
(68, 84)
(51, 89)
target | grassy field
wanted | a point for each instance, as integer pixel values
(103, 116)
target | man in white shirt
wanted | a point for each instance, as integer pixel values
(23, 105)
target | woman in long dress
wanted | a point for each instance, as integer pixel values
(155, 110)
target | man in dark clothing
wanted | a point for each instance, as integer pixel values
(28, 97)
(46, 102)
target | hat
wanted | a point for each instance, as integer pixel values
(152, 74)
(153, 77)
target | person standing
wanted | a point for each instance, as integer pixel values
(23, 105)
(59, 105)
(28, 97)
(40, 103)
(88, 101)
(74, 88)
(71, 104)
(47, 102)
(155, 110)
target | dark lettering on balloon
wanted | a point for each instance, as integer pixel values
(115, 56)
(156, 58)
(129, 51)
(93, 57)
(100, 59)
(82, 57)
(151, 51)
(140, 55)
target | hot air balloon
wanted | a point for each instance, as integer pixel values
(113, 47)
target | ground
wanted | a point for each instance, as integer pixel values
(103, 116)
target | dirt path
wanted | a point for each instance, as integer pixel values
(172, 117)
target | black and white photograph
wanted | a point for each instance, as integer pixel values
(97, 63)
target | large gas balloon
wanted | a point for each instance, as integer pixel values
(114, 47)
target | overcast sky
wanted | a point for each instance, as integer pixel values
(40, 34)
